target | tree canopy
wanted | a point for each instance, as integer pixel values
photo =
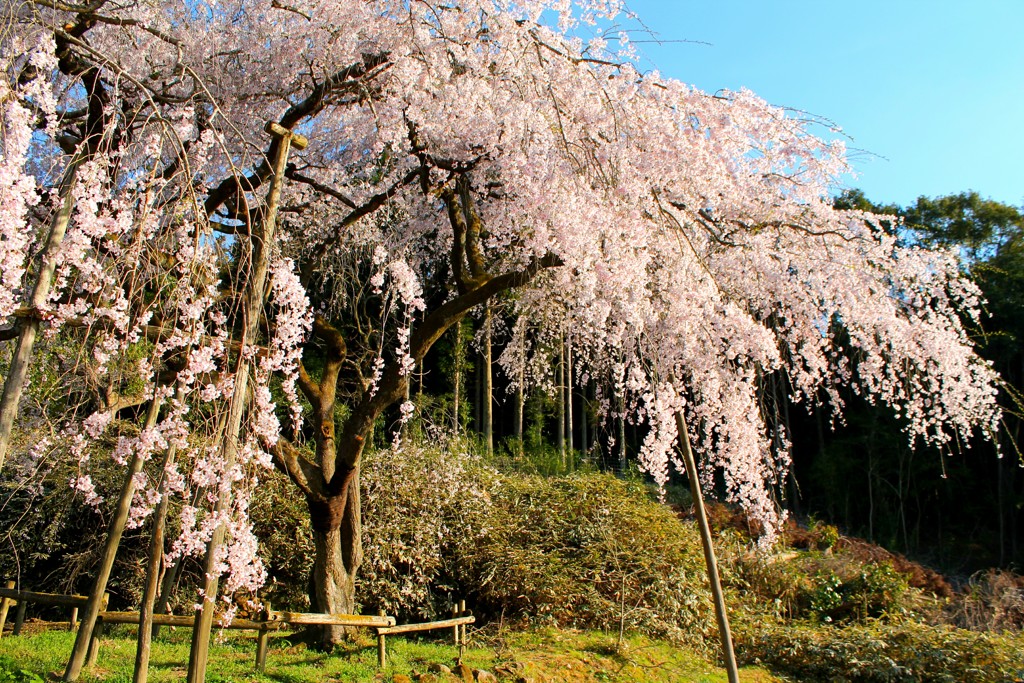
(684, 244)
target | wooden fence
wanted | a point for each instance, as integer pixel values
(271, 621)
(10, 596)
(460, 618)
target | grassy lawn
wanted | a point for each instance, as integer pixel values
(536, 655)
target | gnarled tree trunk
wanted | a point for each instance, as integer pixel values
(337, 539)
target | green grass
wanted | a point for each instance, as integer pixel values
(538, 654)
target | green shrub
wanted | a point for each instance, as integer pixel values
(280, 522)
(424, 507)
(889, 653)
(586, 550)
(823, 587)
(591, 551)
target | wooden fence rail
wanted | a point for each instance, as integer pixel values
(10, 596)
(271, 621)
(460, 618)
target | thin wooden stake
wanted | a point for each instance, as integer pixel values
(455, 629)
(709, 550)
(461, 630)
(144, 638)
(94, 642)
(94, 645)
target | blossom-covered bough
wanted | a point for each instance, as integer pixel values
(458, 151)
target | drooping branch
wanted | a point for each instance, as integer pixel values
(393, 381)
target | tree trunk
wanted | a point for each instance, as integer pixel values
(621, 403)
(560, 400)
(568, 398)
(460, 353)
(584, 436)
(337, 539)
(488, 388)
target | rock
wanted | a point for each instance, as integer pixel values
(510, 668)
(484, 676)
(439, 668)
(428, 678)
(465, 673)
(401, 678)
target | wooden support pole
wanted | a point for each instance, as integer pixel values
(382, 653)
(254, 291)
(262, 644)
(709, 550)
(97, 632)
(488, 388)
(144, 637)
(73, 619)
(17, 372)
(115, 530)
(462, 628)
(5, 604)
(455, 628)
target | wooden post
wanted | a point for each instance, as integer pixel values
(168, 582)
(382, 653)
(18, 370)
(459, 357)
(19, 617)
(253, 291)
(560, 402)
(263, 642)
(462, 634)
(94, 645)
(73, 621)
(5, 604)
(115, 530)
(709, 550)
(97, 632)
(455, 629)
(146, 632)
(570, 446)
(488, 388)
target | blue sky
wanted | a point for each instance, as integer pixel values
(930, 93)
